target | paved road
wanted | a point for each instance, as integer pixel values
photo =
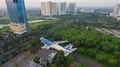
(24, 58)
(109, 31)
(86, 61)
(19, 61)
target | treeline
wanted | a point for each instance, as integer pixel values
(104, 48)
(62, 61)
(96, 20)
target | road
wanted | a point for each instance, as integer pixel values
(19, 61)
(89, 63)
(24, 58)
(1, 26)
(116, 33)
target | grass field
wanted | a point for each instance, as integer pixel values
(31, 25)
(34, 25)
(4, 29)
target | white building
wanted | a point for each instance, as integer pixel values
(54, 9)
(72, 8)
(49, 8)
(43, 8)
(62, 8)
(116, 11)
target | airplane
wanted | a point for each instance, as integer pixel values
(55, 45)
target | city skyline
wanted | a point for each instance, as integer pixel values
(79, 3)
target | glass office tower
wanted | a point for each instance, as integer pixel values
(17, 15)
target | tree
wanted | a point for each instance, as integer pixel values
(62, 61)
(112, 62)
(117, 54)
(91, 52)
(81, 50)
(109, 48)
(53, 65)
(103, 57)
(0, 36)
(69, 59)
(36, 59)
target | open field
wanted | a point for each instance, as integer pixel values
(34, 25)
(31, 25)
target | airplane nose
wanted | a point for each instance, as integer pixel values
(41, 38)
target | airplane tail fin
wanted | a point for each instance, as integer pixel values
(69, 49)
(67, 52)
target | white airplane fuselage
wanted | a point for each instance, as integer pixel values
(57, 47)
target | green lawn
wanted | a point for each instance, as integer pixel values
(34, 25)
(4, 29)
(31, 25)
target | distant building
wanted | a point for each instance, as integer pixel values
(116, 11)
(48, 8)
(72, 8)
(86, 10)
(43, 8)
(54, 9)
(17, 14)
(62, 8)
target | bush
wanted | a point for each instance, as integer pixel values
(36, 59)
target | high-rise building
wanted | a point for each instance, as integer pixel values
(49, 8)
(43, 8)
(116, 10)
(62, 8)
(72, 8)
(54, 9)
(17, 15)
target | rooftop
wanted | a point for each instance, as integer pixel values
(45, 54)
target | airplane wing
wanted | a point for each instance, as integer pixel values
(45, 46)
(59, 42)
(46, 43)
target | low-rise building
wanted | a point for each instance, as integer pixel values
(86, 10)
(46, 56)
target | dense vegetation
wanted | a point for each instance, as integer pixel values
(78, 30)
(104, 48)
(96, 20)
(4, 29)
(65, 61)
(35, 25)
(12, 44)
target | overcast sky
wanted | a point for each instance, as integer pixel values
(80, 3)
